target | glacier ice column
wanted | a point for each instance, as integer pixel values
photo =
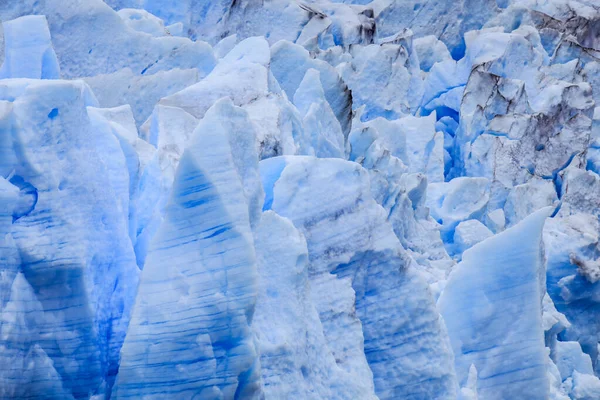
(326, 138)
(128, 153)
(29, 372)
(26, 370)
(359, 269)
(73, 242)
(296, 362)
(492, 306)
(28, 52)
(190, 331)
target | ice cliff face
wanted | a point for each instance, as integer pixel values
(388, 199)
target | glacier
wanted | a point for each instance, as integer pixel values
(316, 199)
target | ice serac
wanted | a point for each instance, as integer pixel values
(392, 67)
(492, 306)
(31, 373)
(397, 138)
(244, 75)
(141, 92)
(190, 333)
(448, 21)
(459, 200)
(295, 359)
(381, 146)
(326, 137)
(573, 270)
(415, 141)
(70, 304)
(214, 20)
(27, 370)
(131, 155)
(289, 64)
(90, 38)
(362, 281)
(28, 50)
(469, 233)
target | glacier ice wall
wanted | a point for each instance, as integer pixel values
(503, 275)
(361, 199)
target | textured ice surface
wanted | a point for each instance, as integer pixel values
(348, 238)
(320, 199)
(296, 359)
(197, 292)
(83, 288)
(469, 233)
(497, 283)
(28, 49)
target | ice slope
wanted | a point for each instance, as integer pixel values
(324, 199)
